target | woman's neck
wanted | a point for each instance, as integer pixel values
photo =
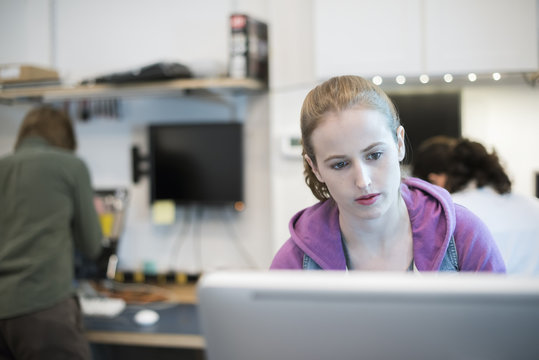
(379, 244)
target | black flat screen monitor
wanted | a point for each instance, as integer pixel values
(196, 163)
(424, 115)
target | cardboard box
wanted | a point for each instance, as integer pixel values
(17, 73)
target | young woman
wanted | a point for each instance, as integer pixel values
(368, 217)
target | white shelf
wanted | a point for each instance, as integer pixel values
(135, 89)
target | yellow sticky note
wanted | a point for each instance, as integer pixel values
(107, 221)
(163, 212)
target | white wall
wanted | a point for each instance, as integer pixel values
(99, 37)
(26, 33)
(292, 76)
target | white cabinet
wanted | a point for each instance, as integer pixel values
(481, 36)
(25, 32)
(367, 37)
(410, 37)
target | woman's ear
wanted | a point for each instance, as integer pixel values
(313, 168)
(401, 148)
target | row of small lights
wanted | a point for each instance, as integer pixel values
(425, 79)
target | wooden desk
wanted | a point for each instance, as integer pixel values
(177, 326)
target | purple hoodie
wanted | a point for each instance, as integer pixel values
(435, 218)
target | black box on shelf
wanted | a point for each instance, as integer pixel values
(248, 48)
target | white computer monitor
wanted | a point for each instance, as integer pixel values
(323, 315)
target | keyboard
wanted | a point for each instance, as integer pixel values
(101, 306)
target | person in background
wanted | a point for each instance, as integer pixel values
(46, 212)
(368, 217)
(431, 160)
(476, 179)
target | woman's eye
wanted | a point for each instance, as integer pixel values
(339, 165)
(374, 156)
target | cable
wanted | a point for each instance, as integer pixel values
(229, 226)
(182, 236)
(197, 235)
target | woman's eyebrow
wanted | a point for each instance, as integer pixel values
(333, 157)
(370, 147)
(367, 149)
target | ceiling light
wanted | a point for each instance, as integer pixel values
(377, 80)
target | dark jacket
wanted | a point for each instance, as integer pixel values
(46, 209)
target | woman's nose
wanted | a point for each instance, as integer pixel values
(362, 177)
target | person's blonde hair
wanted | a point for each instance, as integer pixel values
(49, 123)
(335, 95)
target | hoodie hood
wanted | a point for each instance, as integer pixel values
(316, 230)
(432, 214)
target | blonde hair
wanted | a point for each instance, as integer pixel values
(49, 123)
(335, 95)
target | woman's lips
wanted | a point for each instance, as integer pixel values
(367, 199)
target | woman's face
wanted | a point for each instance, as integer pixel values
(358, 160)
